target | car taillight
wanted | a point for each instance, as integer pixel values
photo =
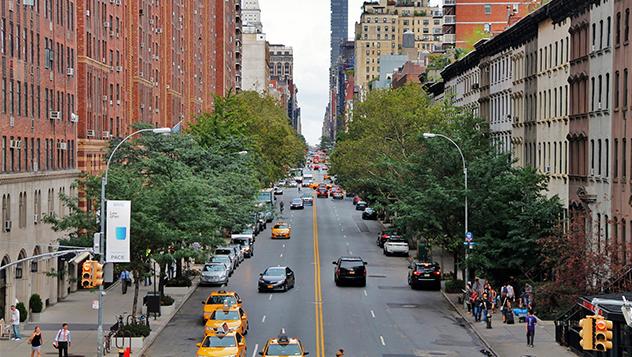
(417, 273)
(437, 273)
(385, 236)
(364, 272)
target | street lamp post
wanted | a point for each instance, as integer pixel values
(104, 182)
(467, 249)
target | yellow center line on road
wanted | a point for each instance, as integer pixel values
(318, 296)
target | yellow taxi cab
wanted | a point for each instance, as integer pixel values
(217, 299)
(283, 346)
(281, 230)
(234, 317)
(222, 343)
(326, 177)
(313, 185)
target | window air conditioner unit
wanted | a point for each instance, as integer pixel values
(70, 71)
(106, 24)
(11, 121)
(74, 118)
(90, 133)
(88, 13)
(62, 146)
(547, 169)
(35, 218)
(592, 172)
(105, 98)
(119, 68)
(105, 135)
(117, 2)
(54, 115)
(7, 226)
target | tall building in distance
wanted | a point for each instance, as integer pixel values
(464, 18)
(251, 15)
(282, 85)
(339, 28)
(255, 50)
(381, 31)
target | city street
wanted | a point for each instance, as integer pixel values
(386, 318)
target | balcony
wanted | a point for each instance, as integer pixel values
(449, 38)
(449, 20)
(438, 49)
(449, 3)
(437, 13)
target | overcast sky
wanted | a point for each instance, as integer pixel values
(304, 25)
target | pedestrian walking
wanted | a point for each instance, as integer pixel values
(531, 321)
(478, 306)
(510, 292)
(62, 341)
(15, 323)
(486, 306)
(509, 314)
(478, 287)
(281, 206)
(147, 276)
(126, 280)
(36, 340)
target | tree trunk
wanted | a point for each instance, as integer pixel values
(136, 291)
(161, 286)
(179, 268)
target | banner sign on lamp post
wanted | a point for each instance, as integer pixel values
(117, 247)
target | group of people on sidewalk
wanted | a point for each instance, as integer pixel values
(61, 342)
(483, 300)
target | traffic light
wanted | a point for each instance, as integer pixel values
(603, 334)
(87, 274)
(586, 333)
(97, 274)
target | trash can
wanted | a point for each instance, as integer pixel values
(152, 301)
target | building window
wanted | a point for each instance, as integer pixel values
(617, 36)
(608, 32)
(599, 157)
(624, 153)
(592, 94)
(592, 157)
(626, 31)
(488, 9)
(615, 161)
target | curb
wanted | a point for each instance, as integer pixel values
(480, 337)
(150, 339)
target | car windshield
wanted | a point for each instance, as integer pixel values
(284, 350)
(221, 259)
(274, 272)
(239, 241)
(348, 264)
(221, 300)
(224, 251)
(307, 195)
(281, 226)
(214, 267)
(297, 200)
(426, 268)
(225, 315)
(397, 240)
(216, 341)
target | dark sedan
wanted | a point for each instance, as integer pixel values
(369, 214)
(297, 203)
(350, 270)
(424, 273)
(361, 206)
(276, 278)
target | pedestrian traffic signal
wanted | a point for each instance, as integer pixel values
(603, 334)
(87, 274)
(97, 274)
(586, 333)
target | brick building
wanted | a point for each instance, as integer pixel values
(227, 31)
(38, 142)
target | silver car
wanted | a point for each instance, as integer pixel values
(228, 251)
(226, 259)
(240, 253)
(215, 274)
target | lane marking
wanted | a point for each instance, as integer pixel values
(281, 256)
(372, 314)
(365, 294)
(263, 320)
(350, 253)
(254, 353)
(270, 297)
(318, 296)
(382, 341)
(283, 245)
(347, 244)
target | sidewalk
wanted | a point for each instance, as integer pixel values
(77, 311)
(510, 340)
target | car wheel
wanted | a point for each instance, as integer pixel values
(285, 287)
(337, 282)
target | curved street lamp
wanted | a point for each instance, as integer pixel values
(433, 135)
(104, 182)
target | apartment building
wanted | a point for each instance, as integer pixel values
(227, 33)
(381, 32)
(38, 143)
(464, 18)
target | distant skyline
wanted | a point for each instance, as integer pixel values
(306, 29)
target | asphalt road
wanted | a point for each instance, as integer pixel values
(385, 319)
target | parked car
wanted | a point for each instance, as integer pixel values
(226, 259)
(297, 203)
(228, 251)
(292, 183)
(361, 206)
(424, 273)
(276, 278)
(350, 270)
(385, 234)
(396, 246)
(214, 274)
(278, 190)
(356, 199)
(245, 243)
(369, 214)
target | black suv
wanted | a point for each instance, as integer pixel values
(424, 273)
(350, 269)
(385, 234)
